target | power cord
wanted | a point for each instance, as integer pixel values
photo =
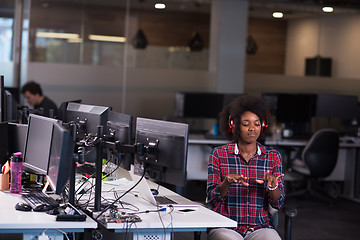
(116, 200)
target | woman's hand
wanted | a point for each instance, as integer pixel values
(225, 185)
(272, 184)
(270, 179)
(237, 179)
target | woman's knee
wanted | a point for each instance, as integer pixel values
(224, 234)
(263, 234)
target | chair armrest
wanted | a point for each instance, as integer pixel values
(274, 216)
(290, 212)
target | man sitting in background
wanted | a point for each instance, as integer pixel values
(34, 96)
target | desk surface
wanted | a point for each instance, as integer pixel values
(170, 220)
(12, 219)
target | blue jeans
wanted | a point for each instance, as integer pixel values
(229, 234)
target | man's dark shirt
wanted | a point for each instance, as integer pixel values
(46, 105)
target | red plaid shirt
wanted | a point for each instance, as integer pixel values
(248, 205)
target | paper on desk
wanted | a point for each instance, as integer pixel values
(118, 184)
(6, 168)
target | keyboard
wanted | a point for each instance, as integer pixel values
(35, 199)
(162, 200)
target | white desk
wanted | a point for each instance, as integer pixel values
(31, 224)
(151, 227)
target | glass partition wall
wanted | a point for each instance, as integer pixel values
(94, 33)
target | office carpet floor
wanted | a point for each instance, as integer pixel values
(314, 221)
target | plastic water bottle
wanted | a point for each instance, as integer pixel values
(16, 168)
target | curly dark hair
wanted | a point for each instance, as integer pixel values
(236, 109)
(32, 87)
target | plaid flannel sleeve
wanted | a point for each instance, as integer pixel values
(214, 180)
(278, 170)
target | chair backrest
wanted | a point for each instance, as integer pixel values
(321, 153)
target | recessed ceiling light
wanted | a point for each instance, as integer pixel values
(160, 6)
(327, 9)
(278, 14)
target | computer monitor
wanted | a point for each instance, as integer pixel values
(201, 104)
(37, 144)
(60, 158)
(198, 105)
(343, 107)
(4, 149)
(17, 137)
(119, 128)
(10, 107)
(15, 92)
(2, 98)
(295, 107)
(62, 109)
(165, 150)
(293, 110)
(87, 117)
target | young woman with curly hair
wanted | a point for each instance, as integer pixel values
(244, 176)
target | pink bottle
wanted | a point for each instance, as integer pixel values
(16, 168)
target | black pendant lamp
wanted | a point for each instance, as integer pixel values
(251, 46)
(196, 43)
(139, 41)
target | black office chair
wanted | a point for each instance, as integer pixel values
(318, 160)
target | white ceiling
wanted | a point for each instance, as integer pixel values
(257, 8)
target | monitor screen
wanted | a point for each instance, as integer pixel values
(201, 105)
(37, 143)
(10, 108)
(295, 107)
(87, 117)
(17, 132)
(336, 106)
(61, 157)
(198, 105)
(4, 136)
(2, 98)
(119, 128)
(165, 153)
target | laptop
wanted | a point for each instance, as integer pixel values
(176, 201)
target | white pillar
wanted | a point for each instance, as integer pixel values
(17, 39)
(229, 20)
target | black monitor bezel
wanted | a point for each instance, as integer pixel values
(67, 145)
(121, 122)
(2, 98)
(159, 129)
(30, 166)
(93, 115)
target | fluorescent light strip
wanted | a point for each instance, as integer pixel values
(75, 40)
(160, 6)
(57, 35)
(104, 38)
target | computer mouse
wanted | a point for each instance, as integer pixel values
(21, 206)
(54, 211)
(41, 208)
